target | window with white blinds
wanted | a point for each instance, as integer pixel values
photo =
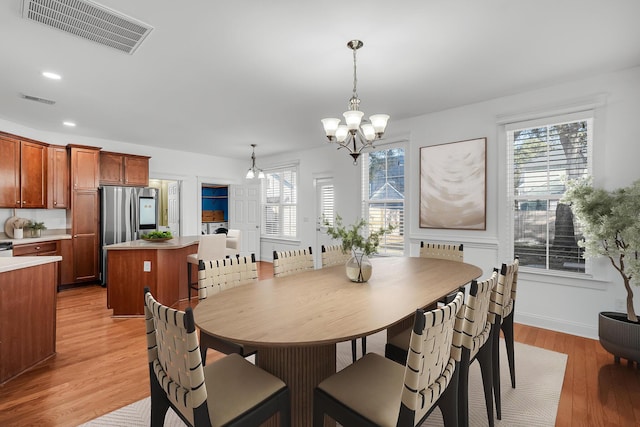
(543, 155)
(383, 186)
(327, 203)
(279, 202)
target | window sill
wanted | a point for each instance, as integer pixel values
(579, 280)
(287, 240)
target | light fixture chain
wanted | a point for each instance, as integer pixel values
(355, 76)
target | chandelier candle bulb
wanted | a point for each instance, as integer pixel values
(357, 133)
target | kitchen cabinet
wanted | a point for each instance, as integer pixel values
(85, 176)
(59, 247)
(58, 178)
(23, 173)
(124, 169)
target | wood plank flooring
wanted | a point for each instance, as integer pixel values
(101, 365)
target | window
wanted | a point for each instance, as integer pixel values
(542, 156)
(383, 196)
(279, 203)
(327, 201)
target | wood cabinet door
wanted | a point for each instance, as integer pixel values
(136, 171)
(58, 178)
(9, 172)
(85, 168)
(85, 235)
(33, 175)
(66, 266)
(111, 168)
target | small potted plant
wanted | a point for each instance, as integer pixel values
(358, 266)
(36, 228)
(611, 228)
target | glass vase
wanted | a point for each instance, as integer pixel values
(358, 268)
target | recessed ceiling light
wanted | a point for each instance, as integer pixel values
(70, 124)
(52, 76)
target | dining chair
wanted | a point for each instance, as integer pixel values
(216, 276)
(473, 340)
(375, 391)
(233, 242)
(292, 262)
(334, 255)
(228, 392)
(397, 344)
(503, 306)
(210, 246)
(443, 251)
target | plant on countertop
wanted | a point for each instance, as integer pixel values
(611, 226)
(157, 235)
(34, 225)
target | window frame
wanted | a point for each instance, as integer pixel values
(294, 169)
(507, 246)
(364, 191)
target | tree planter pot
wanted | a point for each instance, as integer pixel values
(619, 336)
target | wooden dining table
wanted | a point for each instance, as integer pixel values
(295, 321)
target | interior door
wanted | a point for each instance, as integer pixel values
(325, 198)
(244, 215)
(173, 207)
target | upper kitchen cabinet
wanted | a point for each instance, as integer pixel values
(124, 169)
(58, 178)
(23, 173)
(85, 167)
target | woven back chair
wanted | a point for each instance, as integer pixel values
(204, 396)
(443, 251)
(210, 246)
(333, 255)
(503, 307)
(290, 262)
(473, 341)
(375, 391)
(216, 276)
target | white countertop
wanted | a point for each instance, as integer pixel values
(174, 243)
(45, 238)
(18, 262)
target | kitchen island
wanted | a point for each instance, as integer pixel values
(28, 288)
(161, 266)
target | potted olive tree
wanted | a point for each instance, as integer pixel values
(358, 267)
(611, 228)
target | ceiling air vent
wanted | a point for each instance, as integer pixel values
(37, 99)
(90, 21)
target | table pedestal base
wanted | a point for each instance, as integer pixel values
(302, 369)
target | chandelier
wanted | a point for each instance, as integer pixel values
(357, 133)
(254, 171)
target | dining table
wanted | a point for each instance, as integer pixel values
(296, 321)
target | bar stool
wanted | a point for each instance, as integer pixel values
(211, 246)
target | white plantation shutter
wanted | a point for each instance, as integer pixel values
(327, 203)
(279, 204)
(383, 184)
(543, 154)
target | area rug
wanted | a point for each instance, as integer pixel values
(539, 376)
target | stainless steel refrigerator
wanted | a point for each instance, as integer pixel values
(125, 214)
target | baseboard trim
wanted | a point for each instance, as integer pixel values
(558, 325)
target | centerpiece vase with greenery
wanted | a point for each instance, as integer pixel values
(611, 228)
(358, 267)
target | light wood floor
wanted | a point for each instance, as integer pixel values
(101, 365)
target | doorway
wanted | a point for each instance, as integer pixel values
(168, 204)
(325, 202)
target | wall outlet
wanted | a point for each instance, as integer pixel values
(620, 305)
(147, 266)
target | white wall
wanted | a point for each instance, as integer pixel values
(189, 168)
(562, 304)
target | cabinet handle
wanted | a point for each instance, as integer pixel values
(55, 203)
(37, 248)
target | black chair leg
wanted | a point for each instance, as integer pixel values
(448, 402)
(495, 366)
(159, 401)
(507, 330)
(463, 389)
(364, 345)
(485, 360)
(353, 350)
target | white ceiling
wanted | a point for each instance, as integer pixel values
(216, 76)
